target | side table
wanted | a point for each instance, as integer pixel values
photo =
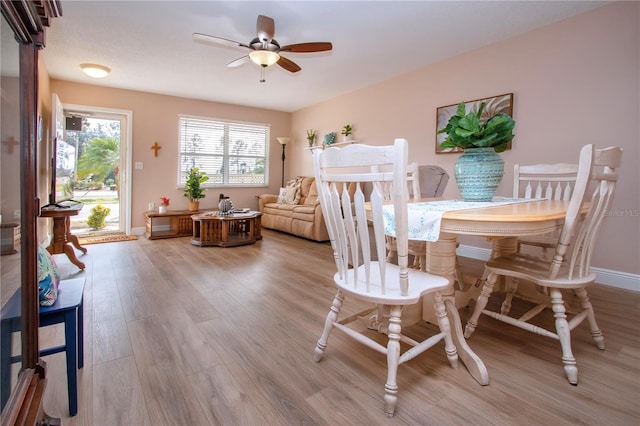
(236, 229)
(62, 236)
(179, 223)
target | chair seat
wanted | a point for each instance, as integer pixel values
(536, 270)
(421, 284)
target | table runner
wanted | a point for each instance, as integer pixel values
(424, 218)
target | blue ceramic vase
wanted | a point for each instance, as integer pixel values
(478, 173)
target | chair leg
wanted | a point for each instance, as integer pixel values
(390, 256)
(481, 303)
(596, 333)
(393, 358)
(564, 335)
(512, 287)
(81, 335)
(332, 317)
(5, 362)
(377, 321)
(445, 327)
(70, 341)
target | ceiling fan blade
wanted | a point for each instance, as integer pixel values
(209, 39)
(238, 62)
(288, 64)
(265, 28)
(307, 47)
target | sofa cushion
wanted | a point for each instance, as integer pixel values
(312, 195)
(279, 209)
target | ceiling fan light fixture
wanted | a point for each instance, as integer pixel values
(264, 58)
(95, 70)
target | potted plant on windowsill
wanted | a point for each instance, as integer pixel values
(479, 169)
(193, 189)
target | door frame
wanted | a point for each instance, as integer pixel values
(126, 142)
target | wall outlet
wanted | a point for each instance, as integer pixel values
(16, 214)
(139, 165)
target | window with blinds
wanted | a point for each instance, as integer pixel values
(230, 153)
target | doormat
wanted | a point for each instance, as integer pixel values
(104, 238)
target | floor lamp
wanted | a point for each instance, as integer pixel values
(283, 142)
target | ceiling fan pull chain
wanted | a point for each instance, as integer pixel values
(262, 79)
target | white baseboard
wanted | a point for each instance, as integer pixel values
(608, 277)
(138, 231)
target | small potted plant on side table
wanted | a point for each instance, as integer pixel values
(193, 189)
(164, 203)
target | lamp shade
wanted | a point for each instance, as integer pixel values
(284, 141)
(95, 70)
(264, 57)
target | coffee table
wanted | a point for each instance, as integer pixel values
(235, 229)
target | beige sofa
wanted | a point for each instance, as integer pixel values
(303, 219)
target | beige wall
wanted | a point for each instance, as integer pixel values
(155, 118)
(574, 82)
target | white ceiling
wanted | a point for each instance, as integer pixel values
(148, 44)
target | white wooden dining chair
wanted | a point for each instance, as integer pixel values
(570, 267)
(360, 277)
(537, 181)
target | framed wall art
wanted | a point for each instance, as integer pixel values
(493, 106)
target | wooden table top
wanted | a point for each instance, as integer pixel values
(533, 217)
(531, 211)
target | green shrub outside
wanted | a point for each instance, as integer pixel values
(97, 217)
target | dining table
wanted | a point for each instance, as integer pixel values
(502, 222)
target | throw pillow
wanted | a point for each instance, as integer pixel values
(48, 277)
(296, 183)
(287, 195)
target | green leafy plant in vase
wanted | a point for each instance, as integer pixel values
(193, 189)
(311, 137)
(347, 132)
(479, 169)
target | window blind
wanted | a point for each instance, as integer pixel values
(230, 153)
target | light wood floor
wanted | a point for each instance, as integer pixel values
(183, 335)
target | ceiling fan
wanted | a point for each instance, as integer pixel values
(264, 49)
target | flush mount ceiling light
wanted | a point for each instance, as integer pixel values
(95, 70)
(264, 58)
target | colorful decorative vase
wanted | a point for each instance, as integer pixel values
(478, 173)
